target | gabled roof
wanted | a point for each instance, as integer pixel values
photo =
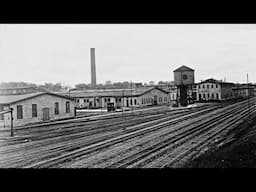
(113, 92)
(183, 68)
(211, 80)
(10, 99)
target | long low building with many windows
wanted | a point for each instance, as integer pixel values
(99, 98)
(35, 107)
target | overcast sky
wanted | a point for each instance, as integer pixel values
(40, 53)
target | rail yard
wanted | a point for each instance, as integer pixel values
(154, 138)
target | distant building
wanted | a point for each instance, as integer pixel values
(108, 82)
(243, 91)
(17, 90)
(211, 90)
(151, 83)
(35, 107)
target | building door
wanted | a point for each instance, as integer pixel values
(46, 114)
(155, 99)
(90, 104)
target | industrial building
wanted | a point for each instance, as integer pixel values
(99, 98)
(17, 90)
(243, 91)
(184, 81)
(214, 90)
(35, 107)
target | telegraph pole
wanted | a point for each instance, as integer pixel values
(11, 122)
(131, 96)
(248, 93)
(123, 102)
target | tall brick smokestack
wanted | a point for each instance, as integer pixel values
(93, 68)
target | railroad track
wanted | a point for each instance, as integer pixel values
(103, 144)
(167, 155)
(178, 134)
(204, 141)
(87, 129)
(59, 148)
(72, 128)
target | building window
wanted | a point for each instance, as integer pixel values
(135, 101)
(77, 100)
(216, 86)
(217, 96)
(19, 112)
(67, 107)
(207, 86)
(212, 96)
(199, 86)
(131, 101)
(34, 110)
(108, 99)
(142, 100)
(56, 108)
(84, 100)
(203, 86)
(105, 100)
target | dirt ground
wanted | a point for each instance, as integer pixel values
(241, 153)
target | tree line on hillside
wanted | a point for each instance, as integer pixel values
(55, 87)
(46, 86)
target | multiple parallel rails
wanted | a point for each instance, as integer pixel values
(170, 145)
(49, 146)
(23, 132)
(160, 138)
(94, 150)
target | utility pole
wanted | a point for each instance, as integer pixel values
(131, 96)
(11, 122)
(248, 93)
(123, 102)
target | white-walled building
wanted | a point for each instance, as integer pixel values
(211, 89)
(35, 107)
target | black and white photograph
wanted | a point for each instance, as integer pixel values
(111, 96)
